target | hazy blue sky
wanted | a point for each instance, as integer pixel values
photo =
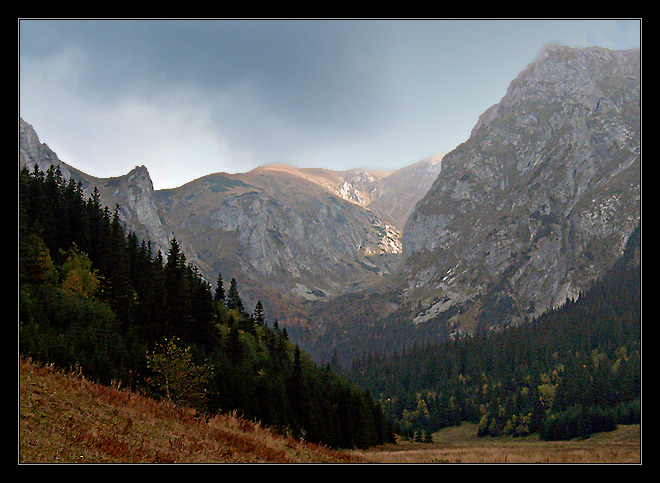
(188, 98)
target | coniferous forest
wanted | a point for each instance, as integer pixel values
(96, 299)
(572, 372)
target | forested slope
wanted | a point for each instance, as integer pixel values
(95, 298)
(571, 372)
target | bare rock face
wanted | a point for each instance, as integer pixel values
(541, 198)
(134, 193)
(306, 234)
(32, 152)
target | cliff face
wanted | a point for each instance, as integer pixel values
(302, 234)
(540, 199)
(32, 152)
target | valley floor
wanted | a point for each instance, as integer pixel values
(462, 445)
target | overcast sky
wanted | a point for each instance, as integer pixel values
(188, 98)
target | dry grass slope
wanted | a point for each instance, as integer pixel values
(65, 418)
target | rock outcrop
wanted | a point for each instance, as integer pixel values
(132, 192)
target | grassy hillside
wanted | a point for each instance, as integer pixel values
(65, 418)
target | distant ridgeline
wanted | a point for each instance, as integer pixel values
(571, 372)
(96, 299)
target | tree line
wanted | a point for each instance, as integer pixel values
(95, 298)
(571, 372)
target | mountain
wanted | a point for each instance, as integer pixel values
(301, 234)
(290, 235)
(541, 198)
(524, 215)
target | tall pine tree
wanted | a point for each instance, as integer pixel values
(233, 298)
(219, 294)
(258, 315)
(177, 297)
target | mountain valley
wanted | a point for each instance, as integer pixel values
(524, 216)
(491, 291)
(521, 217)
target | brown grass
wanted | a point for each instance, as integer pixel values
(462, 445)
(67, 419)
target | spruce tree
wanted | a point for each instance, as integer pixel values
(219, 295)
(297, 394)
(177, 297)
(233, 346)
(233, 298)
(258, 315)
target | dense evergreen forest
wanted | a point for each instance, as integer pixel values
(569, 373)
(94, 298)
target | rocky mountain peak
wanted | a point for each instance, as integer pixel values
(581, 77)
(32, 152)
(539, 200)
(142, 173)
(309, 233)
